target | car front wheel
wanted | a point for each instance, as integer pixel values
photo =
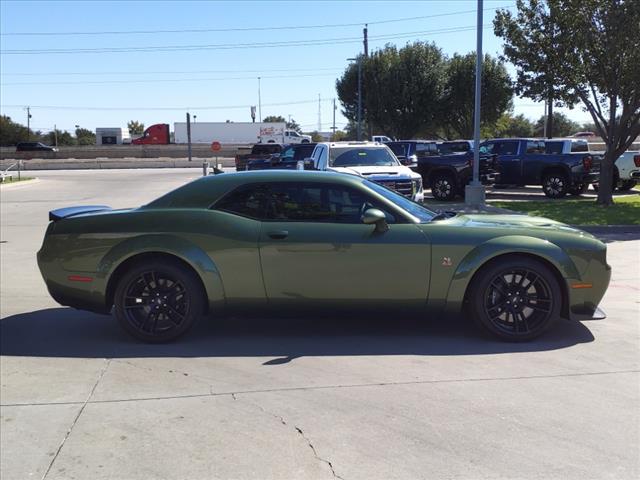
(443, 187)
(555, 185)
(516, 300)
(158, 301)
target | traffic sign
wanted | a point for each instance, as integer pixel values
(215, 146)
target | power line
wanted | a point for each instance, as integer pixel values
(40, 74)
(248, 29)
(236, 46)
(166, 80)
(183, 108)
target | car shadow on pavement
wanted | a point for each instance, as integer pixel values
(64, 332)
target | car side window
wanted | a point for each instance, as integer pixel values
(247, 201)
(535, 147)
(506, 148)
(288, 153)
(316, 202)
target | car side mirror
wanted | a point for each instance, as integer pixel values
(309, 164)
(374, 216)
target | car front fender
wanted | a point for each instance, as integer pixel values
(547, 251)
(170, 245)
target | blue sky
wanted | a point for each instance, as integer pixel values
(214, 74)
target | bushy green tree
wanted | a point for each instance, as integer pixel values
(12, 132)
(562, 126)
(85, 136)
(593, 49)
(64, 138)
(458, 100)
(135, 127)
(511, 126)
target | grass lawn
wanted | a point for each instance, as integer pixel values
(8, 181)
(625, 211)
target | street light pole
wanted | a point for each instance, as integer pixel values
(259, 102)
(474, 192)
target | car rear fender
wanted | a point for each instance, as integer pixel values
(547, 252)
(165, 244)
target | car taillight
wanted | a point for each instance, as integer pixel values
(636, 160)
(587, 162)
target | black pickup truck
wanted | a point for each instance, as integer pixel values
(525, 161)
(287, 159)
(260, 151)
(447, 167)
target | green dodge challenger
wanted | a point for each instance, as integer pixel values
(287, 239)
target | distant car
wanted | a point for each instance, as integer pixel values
(260, 151)
(34, 147)
(381, 139)
(277, 239)
(584, 135)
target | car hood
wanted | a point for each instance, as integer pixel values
(370, 171)
(519, 222)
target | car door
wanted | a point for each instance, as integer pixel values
(509, 160)
(315, 250)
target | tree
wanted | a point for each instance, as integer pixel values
(59, 138)
(403, 87)
(85, 136)
(459, 94)
(510, 126)
(12, 132)
(292, 125)
(563, 126)
(597, 60)
(135, 127)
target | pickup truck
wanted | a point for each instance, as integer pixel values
(524, 161)
(447, 167)
(371, 160)
(288, 158)
(260, 151)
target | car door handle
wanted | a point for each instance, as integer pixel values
(279, 234)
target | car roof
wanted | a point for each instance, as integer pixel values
(204, 191)
(367, 144)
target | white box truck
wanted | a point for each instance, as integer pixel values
(112, 136)
(237, 133)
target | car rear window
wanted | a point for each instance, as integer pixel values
(362, 156)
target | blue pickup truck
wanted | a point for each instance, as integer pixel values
(524, 161)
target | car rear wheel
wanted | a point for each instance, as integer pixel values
(555, 185)
(626, 185)
(516, 299)
(579, 189)
(443, 187)
(158, 301)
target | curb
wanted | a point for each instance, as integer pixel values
(603, 229)
(21, 183)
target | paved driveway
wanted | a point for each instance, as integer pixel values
(295, 398)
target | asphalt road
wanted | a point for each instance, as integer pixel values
(301, 398)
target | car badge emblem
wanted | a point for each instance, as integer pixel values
(446, 261)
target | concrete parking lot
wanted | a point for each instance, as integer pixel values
(301, 398)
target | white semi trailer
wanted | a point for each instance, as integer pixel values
(237, 133)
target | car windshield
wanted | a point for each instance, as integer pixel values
(362, 156)
(416, 210)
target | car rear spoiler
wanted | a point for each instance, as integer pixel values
(60, 213)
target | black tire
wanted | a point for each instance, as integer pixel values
(555, 184)
(443, 187)
(158, 300)
(516, 298)
(626, 185)
(305, 141)
(579, 189)
(596, 186)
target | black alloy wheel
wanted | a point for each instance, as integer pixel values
(626, 185)
(579, 189)
(158, 301)
(443, 187)
(517, 300)
(555, 185)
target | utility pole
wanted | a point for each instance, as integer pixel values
(474, 192)
(319, 115)
(334, 120)
(189, 135)
(28, 123)
(365, 32)
(259, 103)
(55, 135)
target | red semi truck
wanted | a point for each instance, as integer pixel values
(157, 134)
